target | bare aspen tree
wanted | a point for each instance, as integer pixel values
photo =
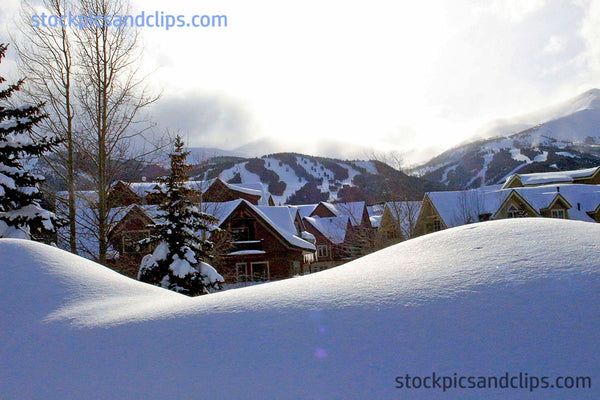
(111, 95)
(470, 207)
(46, 58)
(405, 213)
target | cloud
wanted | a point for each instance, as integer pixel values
(555, 45)
(590, 32)
(205, 119)
(515, 10)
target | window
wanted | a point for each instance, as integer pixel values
(241, 274)
(559, 213)
(259, 271)
(240, 234)
(322, 250)
(131, 241)
(434, 226)
(513, 212)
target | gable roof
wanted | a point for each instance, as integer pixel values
(253, 189)
(305, 209)
(354, 210)
(514, 195)
(290, 237)
(282, 216)
(333, 228)
(142, 189)
(455, 206)
(545, 178)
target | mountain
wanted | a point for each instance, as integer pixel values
(568, 138)
(471, 301)
(294, 178)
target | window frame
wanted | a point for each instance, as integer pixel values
(244, 276)
(558, 211)
(267, 269)
(324, 253)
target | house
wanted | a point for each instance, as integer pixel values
(343, 231)
(133, 224)
(588, 176)
(330, 235)
(395, 220)
(268, 243)
(442, 210)
(253, 243)
(356, 212)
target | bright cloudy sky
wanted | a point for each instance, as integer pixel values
(393, 75)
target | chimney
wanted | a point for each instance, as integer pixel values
(578, 206)
(558, 189)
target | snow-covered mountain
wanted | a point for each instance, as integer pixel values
(469, 301)
(292, 178)
(568, 137)
(301, 179)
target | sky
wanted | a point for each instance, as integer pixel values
(325, 76)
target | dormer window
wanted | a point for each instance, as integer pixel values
(558, 213)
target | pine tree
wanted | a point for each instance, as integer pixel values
(20, 212)
(177, 263)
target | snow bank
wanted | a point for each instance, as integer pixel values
(483, 299)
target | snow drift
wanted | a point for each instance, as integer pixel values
(512, 296)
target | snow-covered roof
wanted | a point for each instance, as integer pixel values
(333, 228)
(375, 214)
(375, 220)
(305, 209)
(454, 207)
(544, 178)
(290, 237)
(254, 188)
(353, 210)
(219, 210)
(143, 188)
(246, 252)
(282, 216)
(83, 198)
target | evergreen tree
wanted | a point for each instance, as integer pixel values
(20, 212)
(177, 263)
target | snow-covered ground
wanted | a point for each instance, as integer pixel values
(482, 299)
